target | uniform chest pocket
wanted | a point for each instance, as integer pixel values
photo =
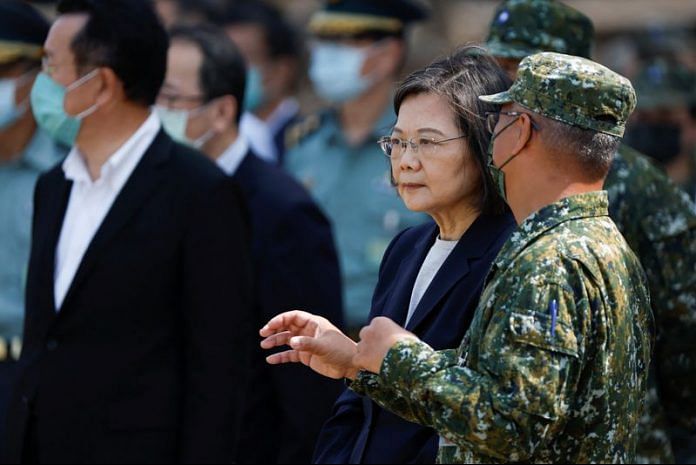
(536, 330)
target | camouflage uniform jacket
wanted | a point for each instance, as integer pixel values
(659, 223)
(554, 366)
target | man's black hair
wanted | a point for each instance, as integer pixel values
(223, 71)
(125, 36)
(282, 39)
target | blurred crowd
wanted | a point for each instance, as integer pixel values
(290, 100)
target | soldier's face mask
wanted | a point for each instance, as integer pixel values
(10, 111)
(497, 173)
(336, 71)
(660, 141)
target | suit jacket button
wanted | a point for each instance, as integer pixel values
(52, 345)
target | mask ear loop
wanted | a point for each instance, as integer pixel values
(87, 77)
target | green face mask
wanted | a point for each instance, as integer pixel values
(497, 173)
(48, 102)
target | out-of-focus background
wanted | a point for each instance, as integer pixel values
(629, 32)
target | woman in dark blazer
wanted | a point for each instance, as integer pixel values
(431, 276)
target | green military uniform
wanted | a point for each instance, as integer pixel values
(521, 388)
(554, 367)
(352, 185)
(656, 219)
(352, 182)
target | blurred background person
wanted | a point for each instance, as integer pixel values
(358, 51)
(138, 316)
(273, 50)
(656, 218)
(296, 265)
(662, 126)
(25, 153)
(432, 275)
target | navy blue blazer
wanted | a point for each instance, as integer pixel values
(360, 431)
(296, 267)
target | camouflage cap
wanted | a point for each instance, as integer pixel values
(524, 27)
(574, 90)
(665, 84)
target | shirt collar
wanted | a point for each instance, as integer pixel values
(286, 111)
(230, 160)
(588, 205)
(114, 170)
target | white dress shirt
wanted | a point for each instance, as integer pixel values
(90, 201)
(437, 256)
(230, 160)
(259, 137)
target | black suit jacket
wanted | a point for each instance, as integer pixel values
(359, 430)
(296, 267)
(148, 357)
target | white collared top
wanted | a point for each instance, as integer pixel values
(259, 137)
(90, 201)
(231, 158)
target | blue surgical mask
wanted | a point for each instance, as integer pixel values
(254, 94)
(10, 112)
(336, 72)
(175, 123)
(48, 104)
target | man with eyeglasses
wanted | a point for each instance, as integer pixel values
(554, 366)
(358, 50)
(138, 310)
(653, 214)
(25, 152)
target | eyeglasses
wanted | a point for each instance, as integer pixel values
(393, 147)
(492, 118)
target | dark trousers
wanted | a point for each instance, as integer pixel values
(8, 373)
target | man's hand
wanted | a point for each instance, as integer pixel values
(314, 341)
(376, 340)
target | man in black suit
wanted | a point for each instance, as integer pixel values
(293, 249)
(138, 323)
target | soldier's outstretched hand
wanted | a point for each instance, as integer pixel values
(376, 340)
(314, 341)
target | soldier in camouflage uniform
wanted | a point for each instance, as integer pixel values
(554, 367)
(655, 217)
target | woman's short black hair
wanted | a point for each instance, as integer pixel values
(125, 36)
(461, 78)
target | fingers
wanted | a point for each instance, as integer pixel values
(289, 356)
(308, 344)
(286, 322)
(276, 340)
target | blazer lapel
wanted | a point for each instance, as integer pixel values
(473, 244)
(50, 229)
(396, 307)
(144, 180)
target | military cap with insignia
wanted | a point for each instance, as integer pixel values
(573, 90)
(23, 31)
(524, 27)
(351, 18)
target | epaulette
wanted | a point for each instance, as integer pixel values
(302, 129)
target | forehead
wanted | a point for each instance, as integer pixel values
(426, 110)
(183, 66)
(250, 39)
(63, 32)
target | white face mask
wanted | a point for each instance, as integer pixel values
(10, 112)
(175, 123)
(336, 71)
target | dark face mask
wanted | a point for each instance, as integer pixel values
(661, 142)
